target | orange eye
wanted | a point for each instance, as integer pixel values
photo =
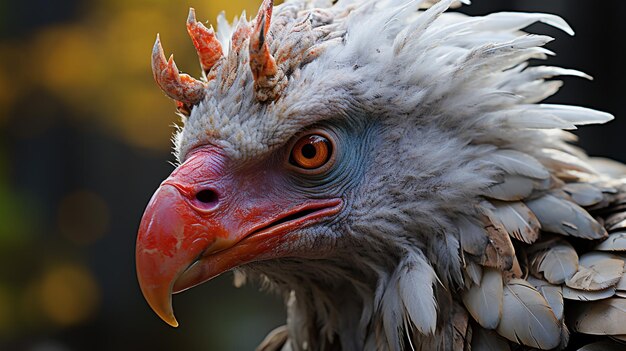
(311, 151)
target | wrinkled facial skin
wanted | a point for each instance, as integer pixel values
(214, 213)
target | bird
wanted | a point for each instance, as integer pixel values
(389, 168)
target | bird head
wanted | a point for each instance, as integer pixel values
(351, 144)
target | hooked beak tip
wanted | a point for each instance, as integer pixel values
(161, 304)
(171, 320)
(166, 312)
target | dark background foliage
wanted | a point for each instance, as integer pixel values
(84, 141)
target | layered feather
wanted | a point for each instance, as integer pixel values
(555, 260)
(527, 318)
(564, 217)
(484, 301)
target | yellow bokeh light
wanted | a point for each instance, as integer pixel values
(68, 294)
(69, 51)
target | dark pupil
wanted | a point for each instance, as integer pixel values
(308, 151)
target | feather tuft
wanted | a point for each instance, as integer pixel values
(415, 287)
(518, 220)
(515, 162)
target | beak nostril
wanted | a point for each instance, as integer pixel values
(207, 198)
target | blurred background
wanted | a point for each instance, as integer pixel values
(84, 142)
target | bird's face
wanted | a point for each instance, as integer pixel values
(325, 150)
(215, 213)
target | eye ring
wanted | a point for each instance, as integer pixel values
(312, 152)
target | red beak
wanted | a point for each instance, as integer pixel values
(207, 218)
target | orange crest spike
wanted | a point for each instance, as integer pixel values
(240, 34)
(180, 87)
(207, 46)
(262, 63)
(159, 63)
(266, 7)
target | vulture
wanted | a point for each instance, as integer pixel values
(387, 167)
